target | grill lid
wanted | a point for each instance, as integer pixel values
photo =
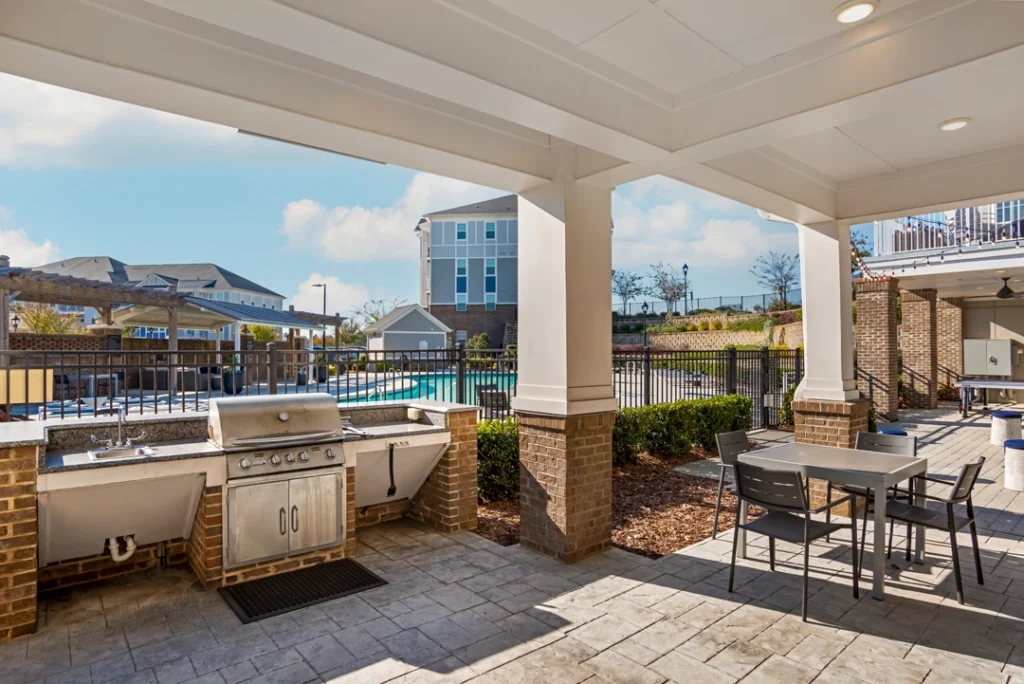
(273, 420)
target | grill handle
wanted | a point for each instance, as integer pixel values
(295, 518)
(284, 439)
(284, 523)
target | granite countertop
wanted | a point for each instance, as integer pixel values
(65, 461)
(393, 429)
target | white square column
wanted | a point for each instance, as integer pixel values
(565, 300)
(827, 312)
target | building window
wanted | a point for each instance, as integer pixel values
(490, 302)
(461, 279)
(491, 230)
(490, 284)
(460, 337)
(460, 302)
(460, 232)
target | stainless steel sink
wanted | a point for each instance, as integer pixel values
(120, 452)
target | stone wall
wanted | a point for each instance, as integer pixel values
(791, 335)
(18, 541)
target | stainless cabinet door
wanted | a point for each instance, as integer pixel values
(314, 512)
(258, 520)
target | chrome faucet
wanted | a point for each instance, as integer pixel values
(121, 441)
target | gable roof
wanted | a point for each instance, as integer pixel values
(507, 204)
(110, 270)
(397, 314)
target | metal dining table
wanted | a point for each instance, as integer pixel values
(848, 466)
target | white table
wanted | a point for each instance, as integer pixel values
(847, 466)
(965, 385)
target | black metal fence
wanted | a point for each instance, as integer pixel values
(745, 303)
(74, 384)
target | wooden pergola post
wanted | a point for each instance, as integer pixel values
(172, 348)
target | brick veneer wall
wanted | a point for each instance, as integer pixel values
(949, 317)
(101, 566)
(35, 342)
(382, 512)
(205, 546)
(448, 498)
(831, 423)
(477, 319)
(566, 484)
(18, 541)
(876, 343)
(919, 344)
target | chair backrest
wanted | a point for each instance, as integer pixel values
(778, 489)
(965, 481)
(731, 445)
(897, 445)
(481, 388)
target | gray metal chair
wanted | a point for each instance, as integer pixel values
(943, 516)
(730, 446)
(897, 445)
(784, 494)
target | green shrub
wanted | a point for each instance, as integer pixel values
(786, 411)
(716, 324)
(755, 324)
(673, 429)
(704, 325)
(497, 448)
(691, 327)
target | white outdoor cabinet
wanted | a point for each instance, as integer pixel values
(989, 358)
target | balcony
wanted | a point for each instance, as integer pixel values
(952, 232)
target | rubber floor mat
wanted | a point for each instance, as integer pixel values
(290, 591)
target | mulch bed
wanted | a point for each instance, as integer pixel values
(655, 510)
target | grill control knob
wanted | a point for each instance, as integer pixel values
(303, 456)
(245, 464)
(289, 457)
(275, 460)
(329, 454)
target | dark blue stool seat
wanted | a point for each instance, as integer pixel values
(892, 431)
(1014, 444)
(1006, 414)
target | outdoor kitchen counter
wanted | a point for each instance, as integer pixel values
(77, 459)
(394, 429)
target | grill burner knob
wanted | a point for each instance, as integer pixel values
(329, 454)
(303, 456)
(290, 457)
(275, 460)
(245, 464)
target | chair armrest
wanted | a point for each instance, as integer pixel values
(933, 479)
(848, 497)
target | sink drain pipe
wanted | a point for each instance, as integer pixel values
(114, 545)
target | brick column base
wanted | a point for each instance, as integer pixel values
(877, 364)
(18, 541)
(566, 484)
(949, 323)
(447, 500)
(920, 349)
(830, 423)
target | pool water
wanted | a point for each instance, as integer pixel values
(436, 386)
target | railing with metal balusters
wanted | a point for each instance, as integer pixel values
(948, 231)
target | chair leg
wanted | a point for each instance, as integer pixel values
(856, 565)
(771, 553)
(974, 541)
(910, 537)
(864, 531)
(828, 511)
(732, 563)
(718, 503)
(892, 528)
(807, 565)
(956, 556)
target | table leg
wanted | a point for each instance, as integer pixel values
(920, 488)
(878, 555)
(741, 539)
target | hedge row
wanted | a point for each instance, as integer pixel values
(664, 429)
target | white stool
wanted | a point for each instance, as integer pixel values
(1005, 425)
(1013, 464)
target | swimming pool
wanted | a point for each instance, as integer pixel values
(437, 386)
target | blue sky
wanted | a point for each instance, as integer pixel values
(81, 175)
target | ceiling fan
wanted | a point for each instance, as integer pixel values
(1005, 292)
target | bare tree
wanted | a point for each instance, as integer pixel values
(777, 272)
(376, 309)
(669, 285)
(627, 286)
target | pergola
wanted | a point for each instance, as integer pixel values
(775, 104)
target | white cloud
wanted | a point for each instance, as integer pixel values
(341, 297)
(23, 251)
(359, 234)
(44, 125)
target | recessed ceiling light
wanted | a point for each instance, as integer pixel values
(954, 124)
(979, 288)
(855, 10)
(1002, 270)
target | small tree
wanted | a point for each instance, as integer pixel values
(668, 284)
(44, 319)
(376, 309)
(263, 333)
(627, 286)
(859, 243)
(777, 272)
(350, 335)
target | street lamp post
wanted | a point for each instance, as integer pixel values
(323, 339)
(686, 289)
(15, 321)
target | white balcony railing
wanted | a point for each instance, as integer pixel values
(951, 230)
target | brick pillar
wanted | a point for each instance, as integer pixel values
(919, 344)
(205, 555)
(831, 423)
(18, 541)
(447, 499)
(566, 484)
(875, 333)
(949, 315)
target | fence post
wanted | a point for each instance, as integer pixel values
(797, 367)
(460, 375)
(272, 367)
(730, 370)
(647, 376)
(766, 362)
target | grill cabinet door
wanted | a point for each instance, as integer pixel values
(314, 512)
(257, 522)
